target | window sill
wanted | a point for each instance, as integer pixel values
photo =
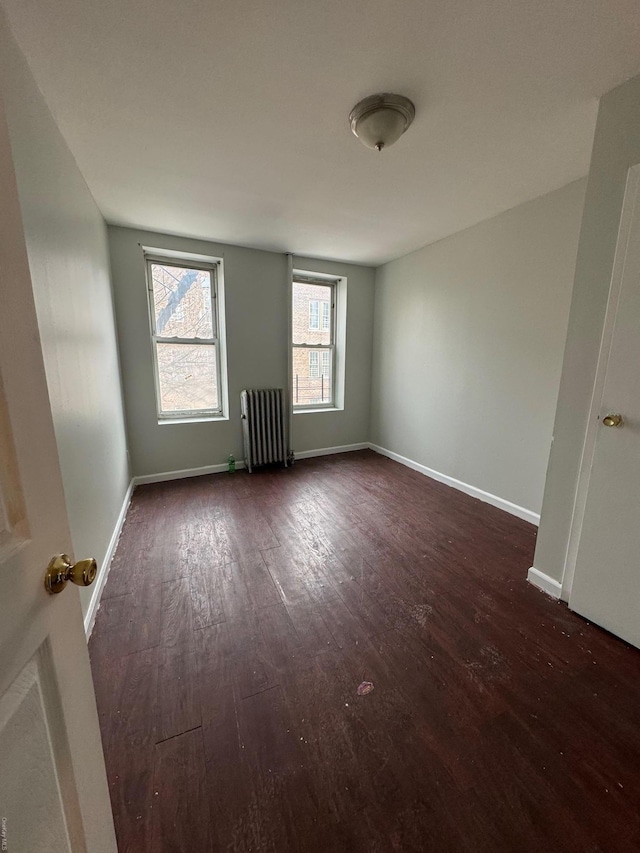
(200, 419)
(315, 409)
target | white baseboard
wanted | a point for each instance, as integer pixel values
(103, 572)
(487, 497)
(329, 451)
(164, 476)
(544, 582)
(143, 479)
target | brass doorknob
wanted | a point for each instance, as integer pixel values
(61, 570)
(612, 420)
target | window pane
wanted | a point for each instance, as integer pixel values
(187, 375)
(309, 313)
(182, 302)
(312, 377)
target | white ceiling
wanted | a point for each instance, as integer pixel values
(227, 119)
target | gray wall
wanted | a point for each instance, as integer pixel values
(468, 342)
(68, 256)
(616, 148)
(256, 296)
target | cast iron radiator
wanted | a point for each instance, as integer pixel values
(264, 427)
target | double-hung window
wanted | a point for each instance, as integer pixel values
(314, 314)
(186, 341)
(314, 351)
(326, 314)
(319, 315)
(314, 364)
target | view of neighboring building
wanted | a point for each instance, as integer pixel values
(185, 340)
(185, 330)
(313, 309)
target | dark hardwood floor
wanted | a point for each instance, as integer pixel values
(241, 614)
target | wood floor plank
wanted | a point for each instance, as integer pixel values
(133, 802)
(179, 706)
(177, 623)
(216, 538)
(242, 612)
(182, 822)
(127, 712)
(134, 559)
(144, 616)
(128, 623)
(216, 674)
(245, 585)
(346, 628)
(205, 587)
(319, 710)
(261, 590)
(281, 640)
(370, 614)
(298, 575)
(234, 653)
(249, 528)
(294, 525)
(311, 628)
(110, 635)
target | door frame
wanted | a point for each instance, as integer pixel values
(629, 219)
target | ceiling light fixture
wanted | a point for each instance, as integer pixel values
(380, 120)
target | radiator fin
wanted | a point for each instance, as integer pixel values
(263, 426)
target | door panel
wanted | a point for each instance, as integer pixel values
(606, 584)
(53, 789)
(29, 764)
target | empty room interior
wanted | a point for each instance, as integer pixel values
(320, 426)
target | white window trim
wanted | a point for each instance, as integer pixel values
(214, 267)
(332, 282)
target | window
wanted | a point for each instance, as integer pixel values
(326, 314)
(313, 323)
(314, 314)
(185, 332)
(316, 309)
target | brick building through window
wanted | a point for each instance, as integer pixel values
(313, 343)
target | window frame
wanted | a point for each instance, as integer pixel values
(332, 283)
(212, 267)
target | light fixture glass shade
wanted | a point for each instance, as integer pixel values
(380, 120)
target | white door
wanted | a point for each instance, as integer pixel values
(53, 788)
(606, 583)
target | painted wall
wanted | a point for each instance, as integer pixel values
(616, 148)
(256, 297)
(68, 256)
(468, 341)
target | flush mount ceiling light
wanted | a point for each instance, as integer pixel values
(380, 120)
